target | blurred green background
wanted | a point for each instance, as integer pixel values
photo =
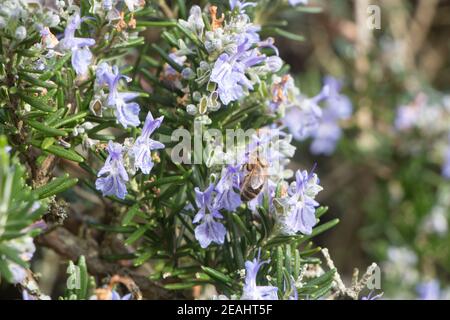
(384, 184)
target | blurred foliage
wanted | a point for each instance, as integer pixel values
(389, 182)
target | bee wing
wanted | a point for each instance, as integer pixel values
(257, 179)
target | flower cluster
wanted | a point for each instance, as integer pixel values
(17, 17)
(431, 119)
(306, 119)
(236, 63)
(402, 268)
(299, 206)
(21, 19)
(25, 247)
(113, 175)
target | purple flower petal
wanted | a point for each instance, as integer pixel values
(210, 231)
(251, 290)
(114, 183)
(144, 145)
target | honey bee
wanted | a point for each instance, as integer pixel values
(255, 178)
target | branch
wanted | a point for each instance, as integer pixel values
(72, 247)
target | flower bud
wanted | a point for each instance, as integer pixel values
(188, 74)
(21, 33)
(191, 109)
(274, 63)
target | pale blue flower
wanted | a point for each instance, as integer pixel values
(269, 43)
(116, 296)
(125, 110)
(251, 290)
(25, 247)
(110, 76)
(228, 188)
(301, 206)
(209, 230)
(144, 145)
(325, 138)
(81, 55)
(301, 216)
(303, 118)
(112, 177)
(429, 290)
(274, 63)
(229, 72)
(18, 272)
(81, 59)
(408, 116)
(272, 144)
(249, 36)
(303, 122)
(337, 107)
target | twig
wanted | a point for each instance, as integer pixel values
(31, 287)
(357, 285)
